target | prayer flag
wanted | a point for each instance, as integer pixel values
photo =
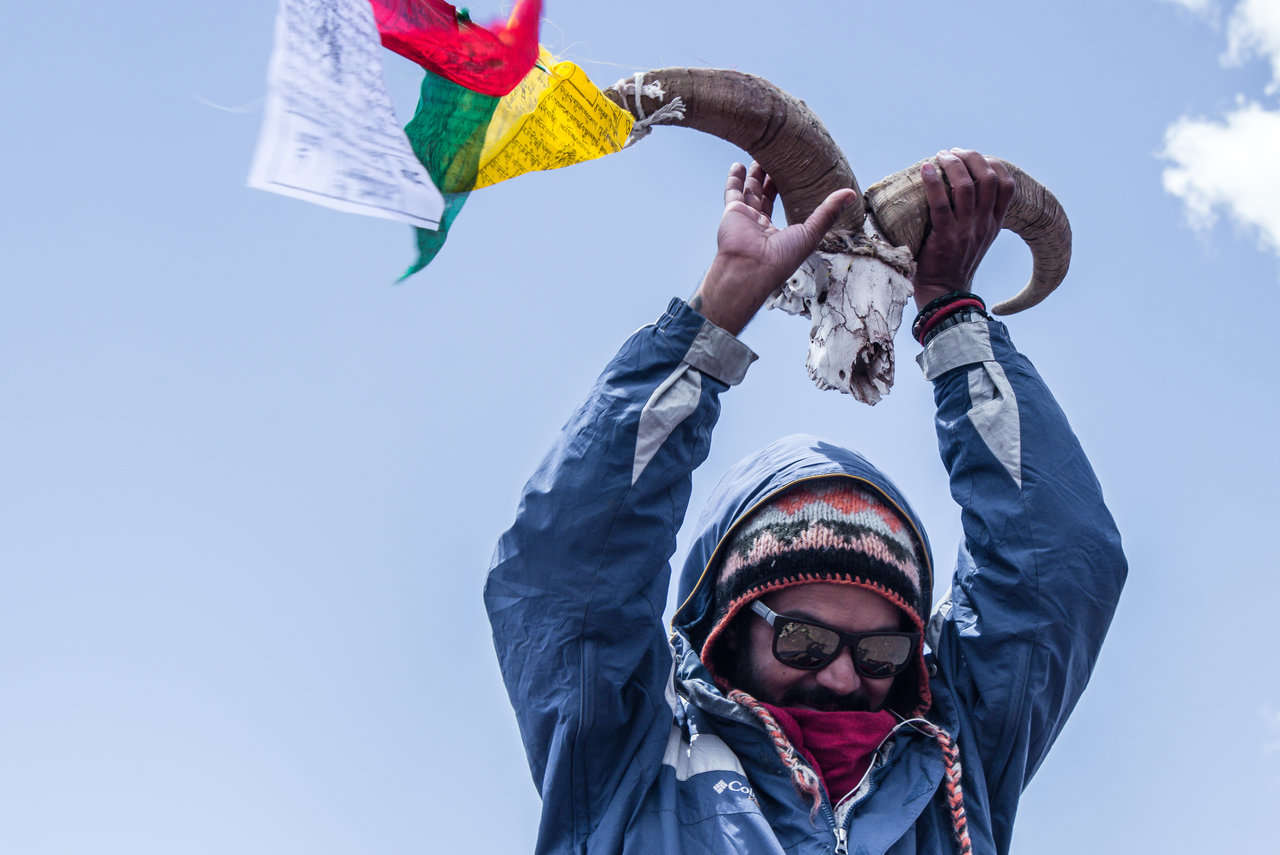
(329, 134)
(555, 117)
(446, 134)
(444, 41)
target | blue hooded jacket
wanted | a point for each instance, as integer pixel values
(632, 746)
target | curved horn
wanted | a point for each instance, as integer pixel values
(779, 131)
(899, 210)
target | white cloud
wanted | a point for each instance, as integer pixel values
(1254, 30)
(1229, 164)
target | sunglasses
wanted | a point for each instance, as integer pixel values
(811, 646)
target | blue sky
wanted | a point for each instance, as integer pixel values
(251, 487)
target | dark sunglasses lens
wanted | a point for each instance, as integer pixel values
(882, 655)
(803, 645)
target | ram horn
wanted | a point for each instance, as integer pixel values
(778, 130)
(901, 213)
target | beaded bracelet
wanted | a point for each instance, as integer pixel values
(945, 312)
(933, 306)
(951, 319)
(939, 307)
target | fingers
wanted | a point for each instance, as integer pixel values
(964, 226)
(770, 196)
(993, 186)
(963, 193)
(1004, 190)
(985, 181)
(733, 185)
(935, 192)
(753, 189)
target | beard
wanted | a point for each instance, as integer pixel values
(814, 697)
(820, 698)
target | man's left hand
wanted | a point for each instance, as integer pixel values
(753, 255)
(964, 225)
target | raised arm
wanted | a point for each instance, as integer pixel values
(1041, 568)
(578, 583)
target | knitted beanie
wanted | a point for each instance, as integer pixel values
(824, 530)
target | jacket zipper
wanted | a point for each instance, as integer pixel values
(842, 836)
(841, 833)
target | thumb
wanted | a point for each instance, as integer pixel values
(824, 216)
(810, 233)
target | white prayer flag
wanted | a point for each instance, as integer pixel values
(329, 134)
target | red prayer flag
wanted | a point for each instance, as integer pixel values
(489, 60)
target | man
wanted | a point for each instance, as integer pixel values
(806, 702)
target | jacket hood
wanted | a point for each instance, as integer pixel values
(756, 479)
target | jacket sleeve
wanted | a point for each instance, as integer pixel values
(1040, 569)
(577, 587)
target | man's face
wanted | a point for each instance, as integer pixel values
(836, 687)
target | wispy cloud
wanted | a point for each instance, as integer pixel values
(1254, 31)
(1228, 163)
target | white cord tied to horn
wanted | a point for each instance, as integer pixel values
(672, 112)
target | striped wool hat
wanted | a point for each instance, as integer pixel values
(824, 530)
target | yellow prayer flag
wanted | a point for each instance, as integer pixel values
(555, 117)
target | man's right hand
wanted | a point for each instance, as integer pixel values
(754, 257)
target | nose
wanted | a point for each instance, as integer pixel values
(840, 676)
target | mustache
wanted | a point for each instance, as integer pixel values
(821, 698)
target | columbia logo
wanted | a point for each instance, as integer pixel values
(734, 787)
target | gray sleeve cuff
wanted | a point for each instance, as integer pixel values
(962, 344)
(719, 354)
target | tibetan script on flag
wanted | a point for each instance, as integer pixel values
(555, 118)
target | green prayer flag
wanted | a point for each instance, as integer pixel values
(447, 134)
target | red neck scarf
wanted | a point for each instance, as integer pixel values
(838, 744)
